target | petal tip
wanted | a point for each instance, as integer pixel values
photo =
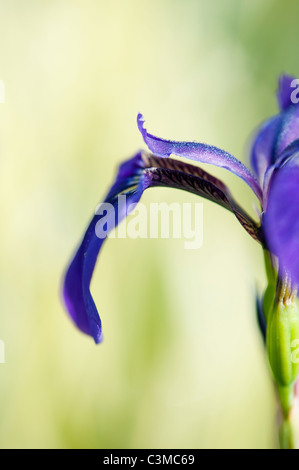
(77, 299)
(140, 124)
(98, 338)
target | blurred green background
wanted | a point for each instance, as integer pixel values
(182, 363)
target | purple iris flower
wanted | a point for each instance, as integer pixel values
(274, 180)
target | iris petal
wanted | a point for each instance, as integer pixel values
(290, 156)
(281, 220)
(134, 176)
(262, 153)
(199, 152)
(76, 289)
(260, 316)
(288, 131)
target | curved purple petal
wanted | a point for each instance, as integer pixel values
(199, 152)
(288, 131)
(281, 220)
(286, 86)
(289, 156)
(277, 133)
(76, 288)
(262, 153)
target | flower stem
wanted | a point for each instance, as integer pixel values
(286, 435)
(289, 428)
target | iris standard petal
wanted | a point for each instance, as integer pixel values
(263, 148)
(76, 289)
(281, 220)
(288, 130)
(285, 90)
(199, 152)
(290, 157)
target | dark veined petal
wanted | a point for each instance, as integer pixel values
(262, 153)
(281, 220)
(199, 152)
(175, 174)
(286, 86)
(76, 290)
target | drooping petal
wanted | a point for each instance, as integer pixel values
(281, 220)
(286, 86)
(263, 148)
(134, 177)
(76, 289)
(199, 152)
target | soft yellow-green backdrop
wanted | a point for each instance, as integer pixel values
(182, 363)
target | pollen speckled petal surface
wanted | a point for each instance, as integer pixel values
(199, 152)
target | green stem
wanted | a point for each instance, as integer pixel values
(269, 266)
(286, 435)
(282, 318)
(289, 428)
